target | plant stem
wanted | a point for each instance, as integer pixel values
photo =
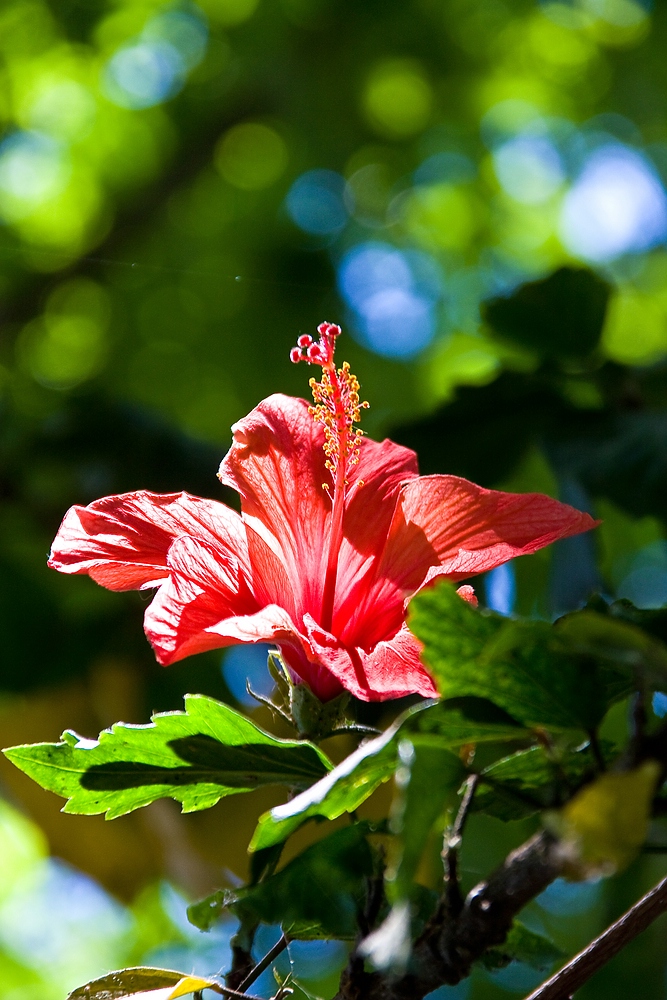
(577, 972)
(227, 991)
(450, 853)
(264, 963)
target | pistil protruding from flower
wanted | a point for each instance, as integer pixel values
(336, 404)
(338, 408)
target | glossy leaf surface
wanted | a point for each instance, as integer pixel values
(158, 984)
(443, 726)
(521, 666)
(196, 757)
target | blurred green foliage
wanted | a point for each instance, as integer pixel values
(475, 188)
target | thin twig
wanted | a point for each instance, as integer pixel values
(265, 962)
(451, 848)
(577, 972)
(227, 991)
(270, 704)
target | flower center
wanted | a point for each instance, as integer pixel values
(338, 408)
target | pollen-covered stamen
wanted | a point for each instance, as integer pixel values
(338, 408)
(337, 404)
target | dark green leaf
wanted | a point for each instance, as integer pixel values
(459, 721)
(619, 643)
(196, 757)
(559, 316)
(532, 780)
(523, 945)
(318, 893)
(205, 912)
(521, 666)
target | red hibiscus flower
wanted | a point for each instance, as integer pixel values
(336, 533)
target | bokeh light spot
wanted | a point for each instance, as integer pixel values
(445, 167)
(241, 664)
(33, 169)
(442, 216)
(66, 345)
(184, 29)
(619, 13)
(144, 74)
(616, 206)
(398, 99)
(646, 583)
(229, 12)
(565, 899)
(660, 704)
(251, 156)
(635, 330)
(529, 168)
(316, 204)
(500, 589)
(61, 108)
(392, 302)
(508, 118)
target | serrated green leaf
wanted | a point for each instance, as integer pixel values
(196, 757)
(532, 780)
(160, 984)
(523, 945)
(316, 895)
(358, 776)
(522, 666)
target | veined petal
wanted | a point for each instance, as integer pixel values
(206, 584)
(122, 541)
(391, 669)
(382, 467)
(276, 463)
(452, 527)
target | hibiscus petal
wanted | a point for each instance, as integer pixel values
(122, 541)
(206, 585)
(392, 669)
(276, 463)
(447, 526)
(382, 467)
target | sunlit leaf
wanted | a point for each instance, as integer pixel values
(142, 984)
(519, 665)
(374, 762)
(427, 784)
(342, 790)
(196, 757)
